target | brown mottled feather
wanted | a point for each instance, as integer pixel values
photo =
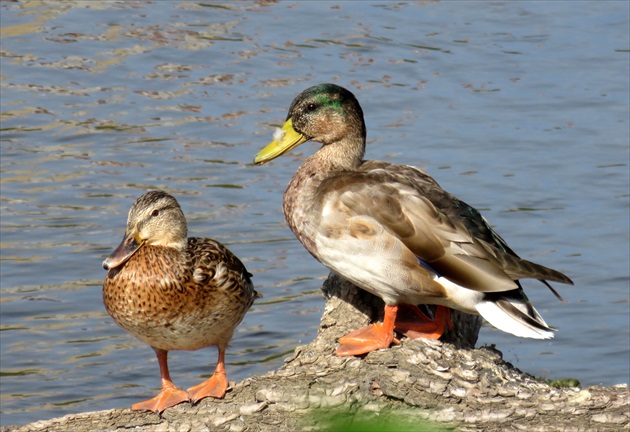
(179, 299)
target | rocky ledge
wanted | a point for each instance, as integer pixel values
(419, 385)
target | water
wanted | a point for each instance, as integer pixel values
(519, 108)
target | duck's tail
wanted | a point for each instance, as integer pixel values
(513, 313)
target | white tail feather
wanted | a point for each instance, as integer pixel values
(510, 323)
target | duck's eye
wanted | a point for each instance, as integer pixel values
(154, 213)
(311, 107)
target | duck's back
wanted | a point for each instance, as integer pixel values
(445, 202)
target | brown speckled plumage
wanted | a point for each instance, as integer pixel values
(171, 292)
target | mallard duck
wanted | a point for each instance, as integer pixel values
(393, 231)
(175, 293)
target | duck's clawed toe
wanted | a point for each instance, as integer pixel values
(416, 325)
(168, 397)
(215, 387)
(365, 340)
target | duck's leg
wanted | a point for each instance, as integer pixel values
(215, 386)
(423, 327)
(370, 338)
(170, 394)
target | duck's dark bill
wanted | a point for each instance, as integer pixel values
(127, 247)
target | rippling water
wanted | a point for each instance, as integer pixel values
(519, 108)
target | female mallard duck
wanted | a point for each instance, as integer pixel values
(393, 231)
(175, 293)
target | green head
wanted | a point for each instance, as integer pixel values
(324, 113)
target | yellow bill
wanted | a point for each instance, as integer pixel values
(284, 139)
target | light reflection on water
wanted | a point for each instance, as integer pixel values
(511, 106)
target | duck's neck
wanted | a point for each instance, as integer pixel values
(343, 155)
(302, 198)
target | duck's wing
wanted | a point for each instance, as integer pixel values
(215, 267)
(442, 231)
(489, 239)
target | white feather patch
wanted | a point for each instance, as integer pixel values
(198, 275)
(221, 273)
(278, 134)
(471, 301)
(506, 322)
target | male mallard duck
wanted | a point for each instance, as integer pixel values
(175, 293)
(393, 231)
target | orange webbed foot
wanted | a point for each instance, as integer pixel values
(370, 338)
(420, 326)
(215, 387)
(365, 340)
(168, 397)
